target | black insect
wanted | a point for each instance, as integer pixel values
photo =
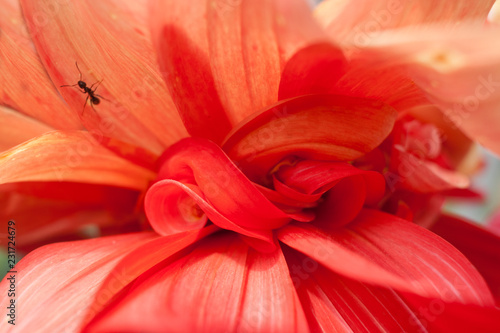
(90, 91)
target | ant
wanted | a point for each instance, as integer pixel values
(94, 98)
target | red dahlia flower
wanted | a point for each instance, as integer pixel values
(251, 149)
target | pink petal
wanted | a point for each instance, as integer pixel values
(458, 73)
(411, 259)
(479, 245)
(69, 156)
(323, 127)
(366, 18)
(114, 46)
(56, 283)
(223, 285)
(11, 124)
(180, 35)
(423, 176)
(312, 70)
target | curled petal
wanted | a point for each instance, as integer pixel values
(322, 127)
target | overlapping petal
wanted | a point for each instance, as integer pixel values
(70, 156)
(223, 285)
(322, 127)
(11, 121)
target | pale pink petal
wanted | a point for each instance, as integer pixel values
(110, 41)
(15, 128)
(24, 84)
(458, 72)
(70, 156)
(364, 19)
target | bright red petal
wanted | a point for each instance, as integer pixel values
(323, 127)
(412, 258)
(313, 70)
(223, 285)
(479, 245)
(114, 46)
(15, 128)
(70, 156)
(55, 284)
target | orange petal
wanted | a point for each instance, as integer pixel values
(70, 156)
(15, 128)
(24, 84)
(366, 18)
(110, 42)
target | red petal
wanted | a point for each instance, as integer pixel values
(323, 127)
(55, 284)
(139, 260)
(69, 156)
(479, 245)
(24, 84)
(412, 258)
(184, 61)
(11, 124)
(223, 285)
(312, 70)
(111, 45)
(347, 189)
(334, 303)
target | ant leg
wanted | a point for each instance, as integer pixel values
(85, 104)
(104, 98)
(76, 63)
(98, 84)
